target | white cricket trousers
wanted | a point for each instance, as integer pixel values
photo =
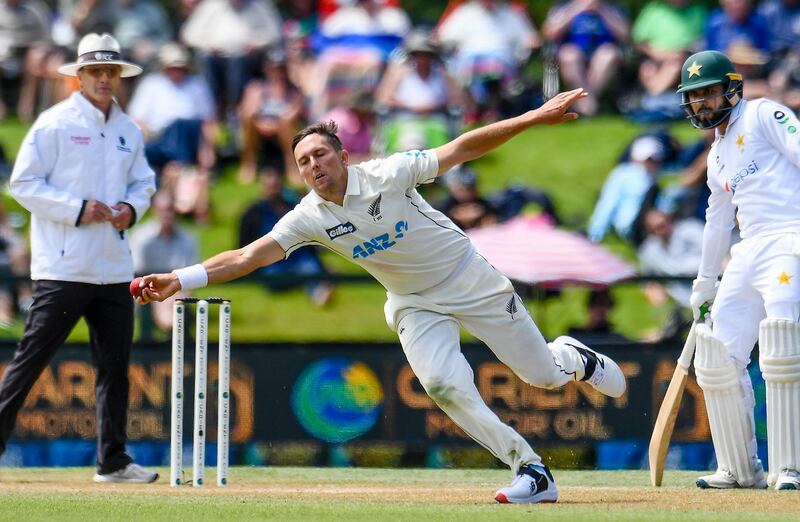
(483, 302)
(761, 280)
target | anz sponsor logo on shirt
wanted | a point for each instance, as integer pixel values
(381, 242)
(342, 229)
(746, 171)
(121, 145)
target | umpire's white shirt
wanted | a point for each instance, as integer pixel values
(754, 171)
(72, 154)
(384, 225)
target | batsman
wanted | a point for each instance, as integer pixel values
(754, 177)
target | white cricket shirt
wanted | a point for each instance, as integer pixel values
(384, 224)
(754, 171)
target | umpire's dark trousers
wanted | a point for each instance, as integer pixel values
(57, 307)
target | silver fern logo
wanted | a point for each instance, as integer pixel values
(374, 209)
(511, 306)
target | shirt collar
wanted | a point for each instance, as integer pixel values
(91, 111)
(353, 187)
(737, 111)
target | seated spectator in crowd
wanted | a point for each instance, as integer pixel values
(230, 37)
(624, 191)
(366, 17)
(783, 20)
(491, 40)
(589, 35)
(517, 200)
(356, 122)
(688, 198)
(180, 15)
(160, 244)
(175, 109)
(14, 262)
(671, 248)
(353, 46)
(464, 206)
(597, 326)
(24, 32)
(300, 24)
(416, 95)
(737, 22)
(665, 33)
(276, 200)
(72, 20)
(143, 27)
(271, 110)
(5, 166)
(742, 34)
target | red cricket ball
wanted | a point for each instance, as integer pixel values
(134, 288)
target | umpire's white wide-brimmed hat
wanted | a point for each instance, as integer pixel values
(99, 49)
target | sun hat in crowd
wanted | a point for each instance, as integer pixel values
(174, 55)
(646, 148)
(420, 42)
(96, 49)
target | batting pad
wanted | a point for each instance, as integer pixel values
(779, 347)
(732, 429)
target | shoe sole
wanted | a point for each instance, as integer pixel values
(608, 365)
(786, 487)
(502, 499)
(103, 480)
(702, 484)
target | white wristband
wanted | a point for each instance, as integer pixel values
(192, 277)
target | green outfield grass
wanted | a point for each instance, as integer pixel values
(569, 161)
(356, 494)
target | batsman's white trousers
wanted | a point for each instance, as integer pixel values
(761, 280)
(483, 302)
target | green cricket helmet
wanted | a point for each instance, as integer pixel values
(706, 69)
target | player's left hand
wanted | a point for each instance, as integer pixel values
(121, 217)
(703, 293)
(158, 287)
(555, 109)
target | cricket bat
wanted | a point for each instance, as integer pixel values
(668, 413)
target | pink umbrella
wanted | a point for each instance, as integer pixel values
(531, 250)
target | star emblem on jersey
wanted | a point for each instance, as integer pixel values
(784, 278)
(694, 69)
(740, 141)
(374, 209)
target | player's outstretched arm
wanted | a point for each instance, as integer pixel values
(475, 143)
(223, 267)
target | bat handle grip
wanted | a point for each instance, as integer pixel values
(685, 359)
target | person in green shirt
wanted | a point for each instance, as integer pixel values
(665, 32)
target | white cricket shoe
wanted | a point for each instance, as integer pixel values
(600, 371)
(532, 484)
(722, 479)
(131, 474)
(788, 479)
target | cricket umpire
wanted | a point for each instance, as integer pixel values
(82, 174)
(436, 282)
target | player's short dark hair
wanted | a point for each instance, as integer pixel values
(327, 129)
